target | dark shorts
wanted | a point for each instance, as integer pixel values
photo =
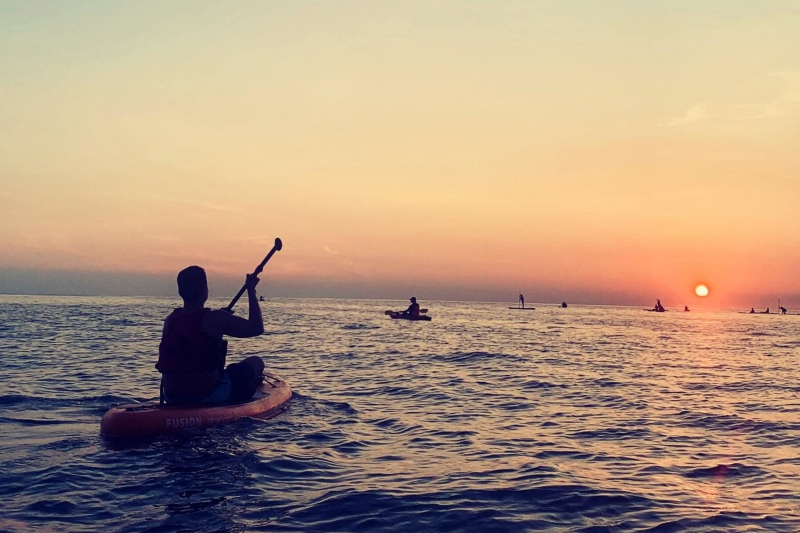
(244, 381)
(238, 383)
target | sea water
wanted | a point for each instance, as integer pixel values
(587, 419)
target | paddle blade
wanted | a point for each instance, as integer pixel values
(388, 312)
(423, 310)
(278, 244)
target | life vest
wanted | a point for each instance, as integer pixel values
(185, 349)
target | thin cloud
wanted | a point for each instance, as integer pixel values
(790, 100)
(336, 255)
(783, 106)
(694, 114)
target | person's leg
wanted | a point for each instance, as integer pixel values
(223, 392)
(246, 377)
(256, 362)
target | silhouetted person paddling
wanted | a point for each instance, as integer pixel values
(658, 307)
(191, 356)
(521, 301)
(413, 309)
(783, 310)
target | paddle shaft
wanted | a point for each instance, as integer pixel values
(256, 272)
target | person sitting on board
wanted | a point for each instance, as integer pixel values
(413, 309)
(765, 312)
(521, 301)
(752, 310)
(685, 307)
(783, 310)
(659, 307)
(191, 356)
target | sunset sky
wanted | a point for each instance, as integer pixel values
(597, 152)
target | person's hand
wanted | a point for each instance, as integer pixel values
(251, 281)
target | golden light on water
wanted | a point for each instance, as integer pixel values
(701, 290)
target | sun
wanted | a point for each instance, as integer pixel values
(701, 290)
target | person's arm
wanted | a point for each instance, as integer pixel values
(221, 322)
(254, 316)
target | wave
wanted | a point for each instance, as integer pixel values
(548, 507)
(33, 421)
(735, 423)
(536, 384)
(723, 521)
(473, 357)
(49, 402)
(305, 402)
(616, 433)
(725, 471)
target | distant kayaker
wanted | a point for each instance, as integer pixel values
(752, 310)
(783, 310)
(191, 356)
(765, 312)
(658, 307)
(563, 305)
(521, 301)
(685, 307)
(260, 298)
(413, 309)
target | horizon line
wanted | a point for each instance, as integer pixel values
(545, 304)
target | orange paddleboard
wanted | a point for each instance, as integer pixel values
(149, 419)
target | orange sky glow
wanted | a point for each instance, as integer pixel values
(593, 152)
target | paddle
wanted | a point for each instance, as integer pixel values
(256, 272)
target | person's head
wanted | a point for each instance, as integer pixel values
(413, 300)
(193, 285)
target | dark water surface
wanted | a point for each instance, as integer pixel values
(588, 419)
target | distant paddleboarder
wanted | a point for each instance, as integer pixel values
(783, 310)
(413, 309)
(685, 307)
(658, 307)
(521, 301)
